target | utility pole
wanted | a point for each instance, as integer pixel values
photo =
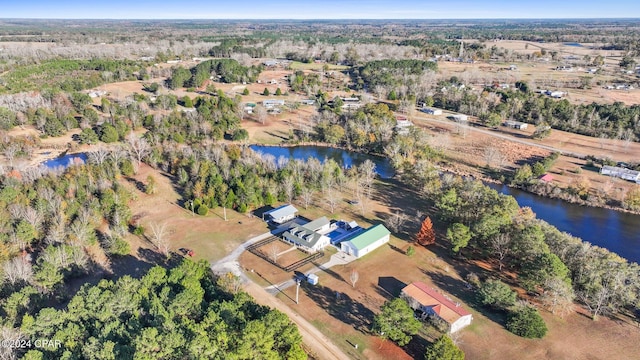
(297, 289)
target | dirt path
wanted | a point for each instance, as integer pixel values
(319, 344)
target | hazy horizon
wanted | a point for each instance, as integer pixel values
(314, 10)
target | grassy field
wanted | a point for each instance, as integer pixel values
(210, 237)
(296, 65)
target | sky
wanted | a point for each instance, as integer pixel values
(317, 9)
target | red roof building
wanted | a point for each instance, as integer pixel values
(422, 297)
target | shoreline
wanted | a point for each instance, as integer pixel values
(459, 172)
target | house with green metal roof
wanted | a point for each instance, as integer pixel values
(366, 241)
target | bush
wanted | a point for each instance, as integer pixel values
(496, 294)
(203, 210)
(245, 91)
(109, 134)
(240, 134)
(139, 230)
(126, 167)
(411, 251)
(444, 349)
(119, 247)
(527, 322)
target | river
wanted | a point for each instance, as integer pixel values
(616, 231)
(344, 158)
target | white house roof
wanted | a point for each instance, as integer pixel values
(282, 211)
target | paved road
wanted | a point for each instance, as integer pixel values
(320, 345)
(423, 118)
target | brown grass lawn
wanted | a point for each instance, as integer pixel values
(209, 236)
(467, 154)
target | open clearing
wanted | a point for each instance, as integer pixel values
(211, 237)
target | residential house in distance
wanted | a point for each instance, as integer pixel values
(621, 172)
(272, 103)
(403, 124)
(460, 117)
(432, 111)
(366, 241)
(422, 297)
(515, 124)
(310, 237)
(281, 214)
(349, 103)
(270, 63)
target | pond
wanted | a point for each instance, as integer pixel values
(344, 158)
(65, 161)
(613, 230)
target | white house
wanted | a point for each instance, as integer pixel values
(516, 124)
(422, 297)
(281, 214)
(310, 236)
(460, 117)
(366, 241)
(432, 111)
(622, 173)
(272, 102)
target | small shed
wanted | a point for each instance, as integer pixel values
(312, 279)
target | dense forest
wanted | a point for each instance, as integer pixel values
(223, 70)
(614, 121)
(176, 313)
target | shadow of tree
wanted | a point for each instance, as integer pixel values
(330, 272)
(390, 287)
(341, 306)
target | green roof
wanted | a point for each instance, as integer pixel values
(369, 236)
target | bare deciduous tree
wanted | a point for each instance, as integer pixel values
(501, 246)
(274, 252)
(98, 155)
(10, 336)
(138, 147)
(261, 114)
(354, 277)
(159, 238)
(331, 198)
(288, 186)
(396, 220)
(10, 153)
(307, 197)
(16, 270)
(558, 296)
